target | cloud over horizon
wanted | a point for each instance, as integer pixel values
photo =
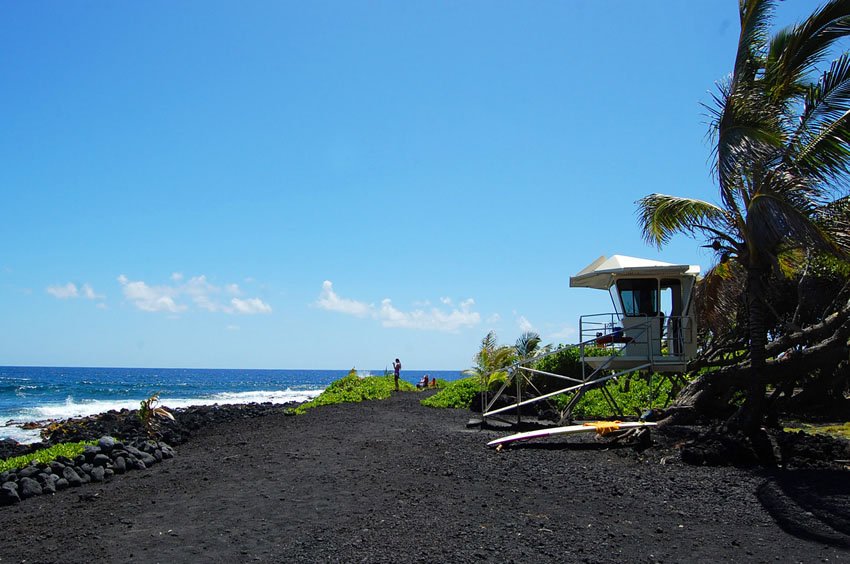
(196, 290)
(433, 318)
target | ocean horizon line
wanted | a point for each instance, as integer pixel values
(78, 366)
(35, 393)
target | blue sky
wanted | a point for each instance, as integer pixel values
(336, 184)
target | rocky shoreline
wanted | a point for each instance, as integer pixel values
(97, 463)
(122, 445)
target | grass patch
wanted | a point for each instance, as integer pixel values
(354, 389)
(841, 430)
(457, 394)
(45, 456)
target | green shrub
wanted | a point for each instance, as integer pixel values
(353, 389)
(566, 362)
(457, 394)
(633, 393)
(45, 456)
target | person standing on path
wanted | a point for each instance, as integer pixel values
(396, 370)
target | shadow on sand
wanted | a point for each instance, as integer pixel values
(812, 505)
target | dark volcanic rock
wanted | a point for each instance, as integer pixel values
(48, 483)
(29, 488)
(28, 471)
(125, 425)
(100, 460)
(71, 476)
(106, 444)
(9, 493)
(716, 448)
(98, 473)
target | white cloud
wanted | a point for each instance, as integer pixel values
(330, 301)
(90, 294)
(197, 290)
(432, 319)
(150, 298)
(425, 318)
(250, 306)
(524, 324)
(69, 290)
(493, 319)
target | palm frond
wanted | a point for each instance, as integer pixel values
(797, 50)
(527, 344)
(821, 144)
(834, 219)
(746, 131)
(718, 296)
(662, 216)
(756, 17)
(780, 220)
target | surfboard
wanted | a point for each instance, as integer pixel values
(601, 427)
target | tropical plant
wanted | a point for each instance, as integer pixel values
(528, 346)
(781, 153)
(491, 361)
(150, 411)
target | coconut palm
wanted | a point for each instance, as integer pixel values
(781, 148)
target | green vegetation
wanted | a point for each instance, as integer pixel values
(150, 412)
(457, 394)
(634, 394)
(440, 383)
(835, 430)
(354, 389)
(45, 456)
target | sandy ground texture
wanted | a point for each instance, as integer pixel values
(392, 481)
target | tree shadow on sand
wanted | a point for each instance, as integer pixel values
(813, 505)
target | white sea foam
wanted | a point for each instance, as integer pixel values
(83, 408)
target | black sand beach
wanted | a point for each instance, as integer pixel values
(392, 481)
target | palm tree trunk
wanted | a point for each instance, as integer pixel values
(750, 415)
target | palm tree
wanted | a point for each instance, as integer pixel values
(528, 346)
(781, 154)
(491, 360)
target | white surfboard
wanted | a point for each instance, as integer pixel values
(601, 427)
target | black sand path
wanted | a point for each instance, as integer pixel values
(393, 481)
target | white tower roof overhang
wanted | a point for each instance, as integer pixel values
(603, 272)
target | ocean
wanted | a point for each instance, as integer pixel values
(31, 393)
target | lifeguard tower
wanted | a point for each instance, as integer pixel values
(652, 328)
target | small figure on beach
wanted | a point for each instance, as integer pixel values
(423, 383)
(396, 370)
